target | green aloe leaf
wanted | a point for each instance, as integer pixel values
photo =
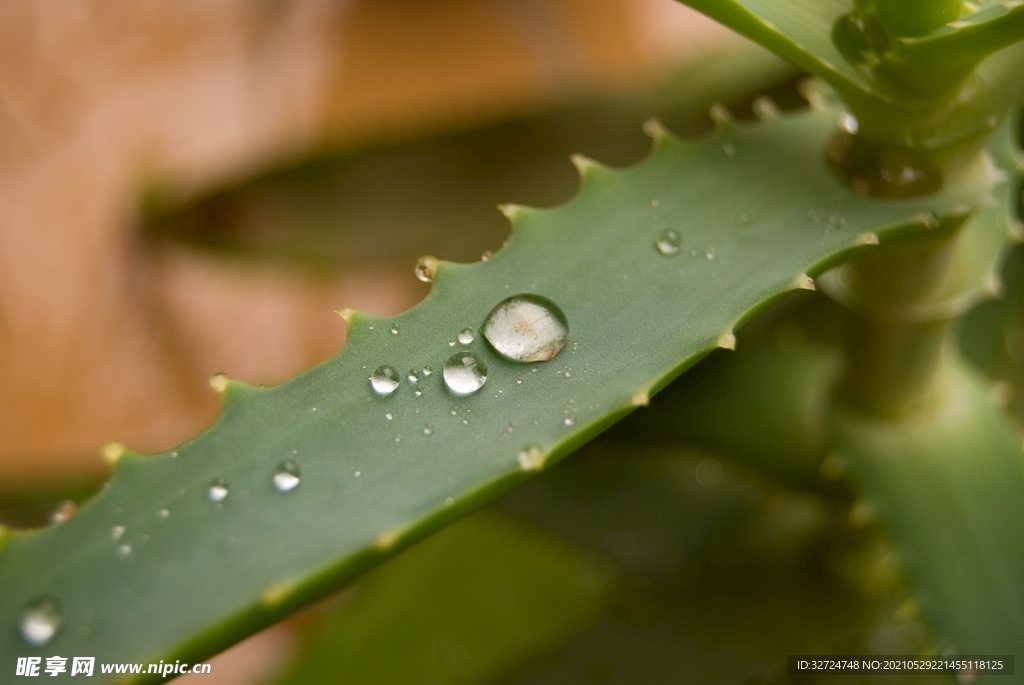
(457, 608)
(188, 576)
(948, 484)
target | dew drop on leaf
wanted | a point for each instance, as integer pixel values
(384, 380)
(425, 269)
(116, 532)
(124, 551)
(218, 491)
(466, 336)
(668, 242)
(527, 328)
(465, 373)
(427, 371)
(163, 514)
(40, 621)
(428, 429)
(414, 376)
(286, 476)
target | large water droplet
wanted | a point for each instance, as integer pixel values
(466, 336)
(527, 328)
(668, 242)
(425, 269)
(465, 373)
(40, 621)
(218, 491)
(286, 476)
(384, 380)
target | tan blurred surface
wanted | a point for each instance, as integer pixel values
(103, 337)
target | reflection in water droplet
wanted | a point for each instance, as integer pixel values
(40, 621)
(124, 551)
(116, 532)
(389, 416)
(414, 376)
(465, 373)
(163, 514)
(451, 343)
(394, 329)
(428, 430)
(218, 491)
(286, 476)
(466, 336)
(417, 393)
(527, 328)
(710, 254)
(668, 242)
(425, 269)
(427, 371)
(384, 380)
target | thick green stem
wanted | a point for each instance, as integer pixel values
(896, 331)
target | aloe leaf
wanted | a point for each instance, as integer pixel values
(459, 607)
(188, 582)
(948, 485)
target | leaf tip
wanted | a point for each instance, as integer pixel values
(720, 114)
(583, 164)
(727, 341)
(803, 282)
(765, 108)
(532, 458)
(219, 382)
(113, 451)
(345, 313)
(655, 129)
(510, 210)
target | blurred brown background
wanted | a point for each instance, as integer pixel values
(107, 333)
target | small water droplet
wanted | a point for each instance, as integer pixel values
(417, 393)
(425, 269)
(286, 476)
(394, 329)
(40, 621)
(668, 242)
(414, 376)
(486, 256)
(709, 473)
(527, 328)
(465, 373)
(519, 381)
(428, 430)
(655, 204)
(570, 421)
(466, 336)
(389, 416)
(384, 380)
(427, 371)
(451, 343)
(174, 455)
(124, 551)
(729, 149)
(847, 123)
(116, 532)
(710, 254)
(465, 422)
(163, 514)
(218, 491)
(357, 474)
(449, 501)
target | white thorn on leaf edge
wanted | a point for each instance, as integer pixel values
(641, 399)
(867, 239)
(804, 282)
(727, 341)
(113, 451)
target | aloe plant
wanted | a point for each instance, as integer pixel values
(893, 193)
